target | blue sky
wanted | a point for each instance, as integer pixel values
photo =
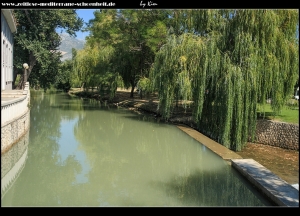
(86, 15)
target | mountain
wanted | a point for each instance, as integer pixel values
(67, 43)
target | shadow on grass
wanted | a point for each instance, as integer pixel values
(266, 115)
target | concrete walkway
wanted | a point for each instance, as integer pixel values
(278, 190)
(296, 186)
(275, 188)
(217, 148)
(7, 95)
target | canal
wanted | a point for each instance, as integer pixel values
(84, 153)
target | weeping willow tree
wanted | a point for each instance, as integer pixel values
(230, 61)
(92, 65)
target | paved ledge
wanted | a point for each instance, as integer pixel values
(278, 190)
(12, 96)
(13, 93)
(217, 148)
(296, 186)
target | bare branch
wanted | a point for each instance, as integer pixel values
(27, 15)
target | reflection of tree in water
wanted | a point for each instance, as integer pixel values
(114, 146)
(50, 182)
(208, 188)
(116, 125)
(47, 119)
(13, 162)
(123, 148)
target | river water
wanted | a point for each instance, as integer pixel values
(84, 153)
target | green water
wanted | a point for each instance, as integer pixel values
(83, 153)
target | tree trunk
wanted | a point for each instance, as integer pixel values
(132, 90)
(21, 82)
(32, 62)
(141, 93)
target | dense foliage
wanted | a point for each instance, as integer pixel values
(36, 42)
(129, 38)
(228, 62)
(63, 78)
(93, 68)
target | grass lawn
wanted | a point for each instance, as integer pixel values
(289, 114)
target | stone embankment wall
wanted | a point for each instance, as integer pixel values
(278, 134)
(12, 132)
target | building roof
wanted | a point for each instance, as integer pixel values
(10, 19)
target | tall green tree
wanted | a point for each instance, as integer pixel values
(135, 36)
(227, 61)
(64, 75)
(92, 66)
(142, 33)
(36, 41)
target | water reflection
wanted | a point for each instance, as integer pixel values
(69, 146)
(85, 154)
(13, 162)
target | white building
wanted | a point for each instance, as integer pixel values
(8, 27)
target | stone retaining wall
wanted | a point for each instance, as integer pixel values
(278, 134)
(14, 130)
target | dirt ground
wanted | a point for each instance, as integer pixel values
(282, 162)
